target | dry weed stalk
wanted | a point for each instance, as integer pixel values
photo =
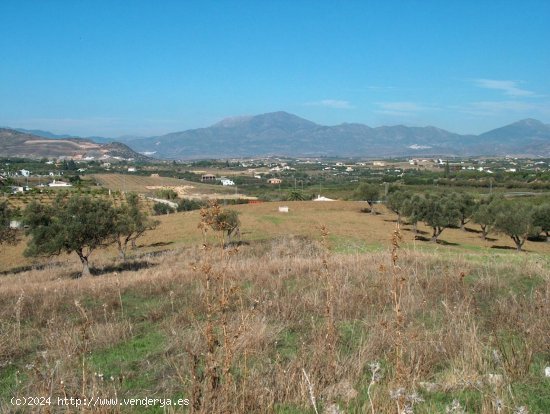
(397, 285)
(311, 392)
(376, 376)
(18, 308)
(404, 375)
(213, 386)
(84, 344)
(331, 336)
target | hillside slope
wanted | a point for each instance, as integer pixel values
(24, 145)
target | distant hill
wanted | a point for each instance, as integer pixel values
(526, 137)
(48, 134)
(281, 133)
(25, 145)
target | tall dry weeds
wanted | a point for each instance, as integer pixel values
(240, 329)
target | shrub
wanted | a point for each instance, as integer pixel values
(161, 208)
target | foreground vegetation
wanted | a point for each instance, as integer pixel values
(285, 325)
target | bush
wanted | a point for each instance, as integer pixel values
(161, 208)
(167, 194)
(190, 205)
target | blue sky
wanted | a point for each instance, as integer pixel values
(113, 67)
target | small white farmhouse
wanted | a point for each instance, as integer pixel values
(55, 183)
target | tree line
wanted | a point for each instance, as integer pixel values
(515, 219)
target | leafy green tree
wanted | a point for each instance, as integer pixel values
(162, 208)
(7, 234)
(79, 224)
(541, 219)
(396, 201)
(130, 224)
(412, 209)
(440, 212)
(485, 217)
(467, 205)
(514, 220)
(229, 222)
(69, 165)
(369, 193)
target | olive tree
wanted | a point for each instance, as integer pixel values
(78, 224)
(466, 205)
(130, 224)
(7, 234)
(369, 193)
(485, 217)
(396, 202)
(514, 220)
(412, 209)
(440, 212)
(541, 219)
(228, 221)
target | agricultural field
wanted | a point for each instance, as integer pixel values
(148, 185)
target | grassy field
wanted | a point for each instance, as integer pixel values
(350, 232)
(320, 309)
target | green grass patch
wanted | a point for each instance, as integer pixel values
(139, 307)
(349, 245)
(525, 284)
(8, 377)
(470, 400)
(132, 359)
(291, 409)
(288, 344)
(351, 333)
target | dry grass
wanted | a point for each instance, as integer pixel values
(284, 325)
(350, 232)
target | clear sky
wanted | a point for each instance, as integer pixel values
(113, 67)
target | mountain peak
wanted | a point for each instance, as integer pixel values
(529, 122)
(269, 120)
(232, 121)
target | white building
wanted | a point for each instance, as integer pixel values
(25, 173)
(322, 198)
(226, 181)
(55, 183)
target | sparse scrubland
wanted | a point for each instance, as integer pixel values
(285, 325)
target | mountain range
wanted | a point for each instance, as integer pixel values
(281, 133)
(284, 134)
